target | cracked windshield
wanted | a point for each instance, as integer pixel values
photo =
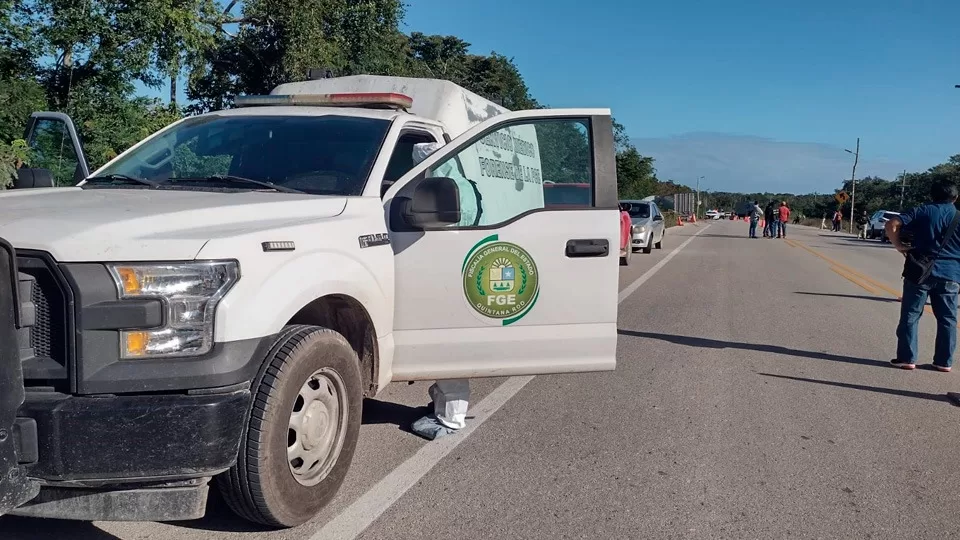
(338, 270)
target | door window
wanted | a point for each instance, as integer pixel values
(520, 168)
(53, 150)
(401, 160)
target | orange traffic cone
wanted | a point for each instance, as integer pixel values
(679, 222)
(693, 218)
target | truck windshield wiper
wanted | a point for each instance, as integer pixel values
(121, 178)
(229, 178)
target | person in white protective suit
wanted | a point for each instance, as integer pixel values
(451, 398)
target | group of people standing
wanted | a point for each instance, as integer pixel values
(836, 220)
(775, 216)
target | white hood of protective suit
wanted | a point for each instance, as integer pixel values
(100, 225)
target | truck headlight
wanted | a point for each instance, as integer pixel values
(189, 292)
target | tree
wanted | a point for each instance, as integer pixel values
(278, 41)
(438, 57)
(183, 31)
(12, 157)
(636, 177)
(18, 98)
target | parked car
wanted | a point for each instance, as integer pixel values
(877, 222)
(648, 225)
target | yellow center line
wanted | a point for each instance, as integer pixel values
(852, 274)
(853, 279)
(846, 268)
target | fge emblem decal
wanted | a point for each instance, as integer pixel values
(500, 280)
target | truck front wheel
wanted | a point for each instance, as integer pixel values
(302, 430)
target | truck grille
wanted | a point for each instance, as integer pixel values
(41, 333)
(45, 338)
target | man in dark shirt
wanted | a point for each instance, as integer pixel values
(767, 220)
(928, 224)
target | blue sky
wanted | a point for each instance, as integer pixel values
(764, 94)
(755, 95)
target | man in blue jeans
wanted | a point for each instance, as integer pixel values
(929, 223)
(755, 214)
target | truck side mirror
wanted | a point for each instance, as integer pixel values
(33, 178)
(435, 202)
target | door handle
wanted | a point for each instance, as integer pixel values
(597, 247)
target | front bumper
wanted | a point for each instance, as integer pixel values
(117, 439)
(127, 457)
(640, 240)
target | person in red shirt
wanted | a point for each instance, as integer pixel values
(784, 216)
(626, 238)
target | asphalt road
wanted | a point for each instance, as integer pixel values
(752, 399)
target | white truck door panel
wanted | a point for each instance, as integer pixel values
(511, 286)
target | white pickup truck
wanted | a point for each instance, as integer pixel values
(216, 302)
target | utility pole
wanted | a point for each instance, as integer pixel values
(696, 211)
(853, 180)
(903, 185)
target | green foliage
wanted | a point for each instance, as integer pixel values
(108, 125)
(18, 98)
(279, 40)
(12, 157)
(636, 177)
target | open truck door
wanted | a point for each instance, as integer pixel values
(15, 487)
(492, 279)
(58, 158)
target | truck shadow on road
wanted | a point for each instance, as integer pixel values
(384, 412)
(867, 388)
(774, 349)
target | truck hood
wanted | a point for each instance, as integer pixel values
(77, 225)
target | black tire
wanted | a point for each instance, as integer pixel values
(659, 244)
(625, 260)
(261, 486)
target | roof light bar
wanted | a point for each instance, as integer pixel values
(379, 100)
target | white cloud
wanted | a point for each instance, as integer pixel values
(749, 164)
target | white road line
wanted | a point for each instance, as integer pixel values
(355, 519)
